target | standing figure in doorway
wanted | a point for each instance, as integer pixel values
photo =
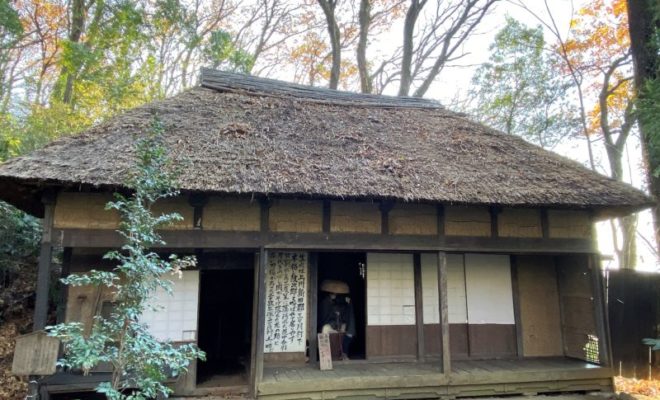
(336, 313)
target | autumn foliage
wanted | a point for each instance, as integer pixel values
(638, 386)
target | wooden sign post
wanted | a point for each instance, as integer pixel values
(35, 354)
(325, 354)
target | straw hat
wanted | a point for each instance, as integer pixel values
(333, 286)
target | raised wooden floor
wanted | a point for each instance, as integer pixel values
(424, 380)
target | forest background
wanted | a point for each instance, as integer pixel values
(562, 74)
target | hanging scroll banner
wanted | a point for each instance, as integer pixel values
(286, 302)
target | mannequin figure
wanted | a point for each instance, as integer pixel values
(336, 313)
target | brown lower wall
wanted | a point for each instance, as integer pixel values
(492, 340)
(458, 340)
(473, 341)
(391, 341)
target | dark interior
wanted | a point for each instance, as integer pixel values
(225, 323)
(350, 268)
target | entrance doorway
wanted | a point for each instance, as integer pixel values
(349, 268)
(225, 320)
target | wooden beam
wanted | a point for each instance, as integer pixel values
(516, 306)
(444, 312)
(600, 311)
(419, 306)
(202, 239)
(45, 260)
(261, 321)
(313, 295)
(327, 215)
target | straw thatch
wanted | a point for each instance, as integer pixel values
(278, 139)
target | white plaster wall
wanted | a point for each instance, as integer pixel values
(176, 316)
(456, 297)
(488, 288)
(390, 289)
(430, 288)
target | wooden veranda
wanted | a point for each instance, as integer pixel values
(425, 380)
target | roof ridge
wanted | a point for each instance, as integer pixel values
(235, 82)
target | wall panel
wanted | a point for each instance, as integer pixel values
(519, 222)
(391, 330)
(175, 318)
(467, 221)
(576, 300)
(569, 224)
(539, 306)
(296, 216)
(491, 321)
(354, 217)
(230, 214)
(413, 219)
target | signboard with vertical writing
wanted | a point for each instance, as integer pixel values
(325, 354)
(286, 305)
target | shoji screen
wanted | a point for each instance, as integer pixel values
(390, 305)
(176, 316)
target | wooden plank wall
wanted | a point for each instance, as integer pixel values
(538, 297)
(576, 303)
(634, 314)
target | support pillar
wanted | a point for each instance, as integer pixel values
(419, 306)
(45, 262)
(313, 307)
(261, 322)
(444, 312)
(600, 311)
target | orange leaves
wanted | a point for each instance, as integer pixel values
(598, 48)
(599, 33)
(638, 386)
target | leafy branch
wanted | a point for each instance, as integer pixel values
(140, 363)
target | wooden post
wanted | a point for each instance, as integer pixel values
(385, 207)
(545, 224)
(444, 310)
(45, 260)
(516, 306)
(440, 215)
(419, 306)
(327, 214)
(64, 289)
(494, 224)
(600, 310)
(198, 201)
(264, 218)
(261, 321)
(313, 307)
(255, 324)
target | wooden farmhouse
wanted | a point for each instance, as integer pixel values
(468, 255)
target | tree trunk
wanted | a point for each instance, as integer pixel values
(328, 7)
(408, 32)
(75, 32)
(644, 17)
(363, 67)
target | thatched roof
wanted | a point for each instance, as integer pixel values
(244, 135)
